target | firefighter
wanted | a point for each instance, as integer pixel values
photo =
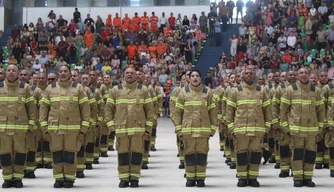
(248, 118)
(65, 115)
(18, 117)
(172, 103)
(195, 118)
(283, 138)
(159, 103)
(322, 157)
(43, 155)
(302, 113)
(130, 113)
(329, 137)
(30, 166)
(107, 81)
(147, 138)
(218, 96)
(102, 133)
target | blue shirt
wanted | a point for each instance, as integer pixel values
(217, 27)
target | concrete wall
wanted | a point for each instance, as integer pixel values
(31, 14)
(2, 18)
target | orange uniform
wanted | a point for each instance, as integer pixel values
(161, 49)
(144, 22)
(287, 58)
(152, 49)
(127, 20)
(168, 30)
(117, 23)
(142, 48)
(124, 27)
(154, 23)
(132, 50)
(137, 20)
(133, 26)
(109, 22)
(89, 39)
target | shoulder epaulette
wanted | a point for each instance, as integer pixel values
(224, 86)
(33, 87)
(120, 86)
(239, 88)
(93, 90)
(153, 86)
(294, 87)
(331, 86)
(22, 84)
(74, 84)
(187, 89)
(2, 84)
(313, 88)
(283, 85)
(98, 86)
(140, 86)
(204, 90)
(258, 88)
(54, 85)
(270, 85)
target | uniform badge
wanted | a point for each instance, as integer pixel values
(91, 94)
(31, 92)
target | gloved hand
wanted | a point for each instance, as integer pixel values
(81, 138)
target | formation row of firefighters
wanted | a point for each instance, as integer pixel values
(68, 123)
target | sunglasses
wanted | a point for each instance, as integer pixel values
(51, 79)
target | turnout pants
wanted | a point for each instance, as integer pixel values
(285, 153)
(146, 152)
(221, 136)
(195, 156)
(249, 154)
(322, 151)
(111, 139)
(64, 147)
(81, 156)
(329, 141)
(180, 147)
(271, 141)
(43, 154)
(277, 137)
(130, 155)
(32, 149)
(89, 151)
(97, 142)
(303, 156)
(104, 137)
(13, 152)
(154, 132)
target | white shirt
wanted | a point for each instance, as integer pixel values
(312, 11)
(280, 44)
(163, 20)
(291, 41)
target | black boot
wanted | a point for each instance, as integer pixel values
(18, 184)
(30, 175)
(96, 161)
(326, 166)
(266, 155)
(224, 155)
(308, 183)
(110, 148)
(153, 148)
(228, 161)
(7, 184)
(253, 183)
(185, 175)
(332, 174)
(318, 166)
(58, 184)
(104, 154)
(177, 155)
(80, 174)
(39, 166)
(233, 166)
(144, 166)
(242, 183)
(123, 184)
(48, 165)
(68, 184)
(200, 183)
(272, 159)
(190, 183)
(89, 166)
(298, 183)
(283, 174)
(277, 166)
(181, 166)
(221, 148)
(134, 184)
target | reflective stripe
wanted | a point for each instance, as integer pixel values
(331, 168)
(253, 173)
(124, 175)
(100, 101)
(133, 101)
(17, 175)
(92, 101)
(89, 160)
(31, 122)
(149, 123)
(193, 103)
(301, 101)
(190, 175)
(220, 116)
(299, 172)
(200, 174)
(319, 159)
(44, 123)
(110, 123)
(135, 175)
(47, 159)
(284, 124)
(231, 103)
(249, 129)
(321, 124)
(99, 118)
(58, 176)
(286, 101)
(212, 106)
(85, 123)
(111, 101)
(44, 100)
(70, 177)
(81, 166)
(308, 173)
(266, 103)
(247, 102)
(178, 105)
(242, 174)
(64, 127)
(7, 177)
(267, 124)
(30, 99)
(30, 168)
(63, 98)
(230, 125)
(274, 121)
(326, 157)
(181, 158)
(213, 127)
(196, 130)
(17, 127)
(306, 129)
(321, 102)
(130, 130)
(84, 99)
(285, 168)
(178, 128)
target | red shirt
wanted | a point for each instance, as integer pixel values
(104, 35)
(171, 21)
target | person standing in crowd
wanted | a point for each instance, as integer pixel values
(130, 113)
(302, 113)
(195, 118)
(230, 4)
(18, 112)
(68, 129)
(203, 23)
(248, 117)
(76, 15)
(240, 5)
